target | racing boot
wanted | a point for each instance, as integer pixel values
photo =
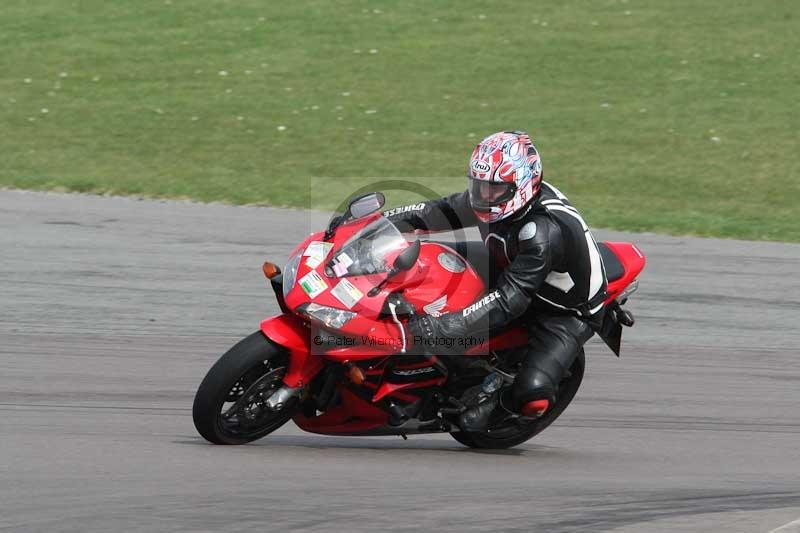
(477, 417)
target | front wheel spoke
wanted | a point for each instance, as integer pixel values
(231, 412)
(250, 402)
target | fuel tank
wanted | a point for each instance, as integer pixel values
(445, 281)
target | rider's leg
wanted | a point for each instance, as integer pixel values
(553, 344)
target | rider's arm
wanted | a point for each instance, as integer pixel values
(516, 286)
(445, 214)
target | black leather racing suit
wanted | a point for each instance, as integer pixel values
(543, 266)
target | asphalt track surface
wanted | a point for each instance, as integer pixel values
(112, 310)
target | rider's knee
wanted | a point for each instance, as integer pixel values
(533, 383)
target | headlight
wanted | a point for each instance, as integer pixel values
(328, 316)
(290, 272)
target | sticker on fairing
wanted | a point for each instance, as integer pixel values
(344, 259)
(452, 263)
(339, 269)
(316, 252)
(435, 307)
(313, 284)
(347, 293)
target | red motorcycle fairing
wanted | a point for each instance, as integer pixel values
(439, 282)
(353, 416)
(361, 352)
(293, 334)
(389, 389)
(633, 262)
(410, 372)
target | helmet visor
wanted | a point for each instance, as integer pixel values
(487, 194)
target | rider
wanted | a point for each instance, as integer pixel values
(545, 267)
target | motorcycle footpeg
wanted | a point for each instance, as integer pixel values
(625, 317)
(454, 411)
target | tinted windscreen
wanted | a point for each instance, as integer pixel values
(367, 251)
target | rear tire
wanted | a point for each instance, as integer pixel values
(244, 366)
(508, 436)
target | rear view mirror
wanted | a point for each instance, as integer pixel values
(366, 204)
(404, 261)
(407, 258)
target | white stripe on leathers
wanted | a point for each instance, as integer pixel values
(596, 263)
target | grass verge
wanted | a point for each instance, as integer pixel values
(676, 117)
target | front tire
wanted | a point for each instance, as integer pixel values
(499, 438)
(229, 404)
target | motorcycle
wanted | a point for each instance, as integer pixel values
(338, 360)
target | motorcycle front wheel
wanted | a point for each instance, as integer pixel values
(230, 404)
(513, 432)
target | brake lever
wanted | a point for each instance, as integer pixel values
(403, 306)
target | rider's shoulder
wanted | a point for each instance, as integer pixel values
(536, 226)
(548, 191)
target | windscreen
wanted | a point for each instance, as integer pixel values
(367, 251)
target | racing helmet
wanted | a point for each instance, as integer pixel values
(505, 174)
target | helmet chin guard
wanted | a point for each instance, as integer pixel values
(505, 173)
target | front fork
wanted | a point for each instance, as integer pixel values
(292, 334)
(281, 397)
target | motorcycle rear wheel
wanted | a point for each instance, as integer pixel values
(229, 405)
(508, 436)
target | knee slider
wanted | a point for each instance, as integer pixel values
(534, 384)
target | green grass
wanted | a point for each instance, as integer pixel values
(677, 116)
